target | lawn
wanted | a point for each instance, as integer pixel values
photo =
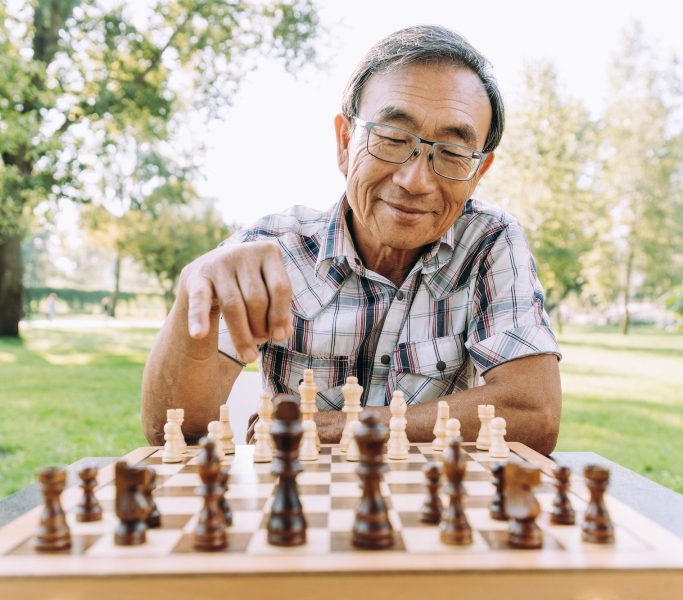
(69, 393)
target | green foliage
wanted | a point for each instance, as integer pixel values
(170, 237)
(79, 300)
(542, 172)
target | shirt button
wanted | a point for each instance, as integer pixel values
(441, 365)
(399, 295)
(386, 359)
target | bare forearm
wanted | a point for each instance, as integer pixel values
(181, 372)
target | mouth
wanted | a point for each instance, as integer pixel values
(408, 210)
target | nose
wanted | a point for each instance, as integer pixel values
(416, 175)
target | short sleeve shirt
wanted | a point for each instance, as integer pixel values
(471, 302)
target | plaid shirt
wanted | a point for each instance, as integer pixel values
(471, 302)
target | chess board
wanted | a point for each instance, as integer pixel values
(645, 556)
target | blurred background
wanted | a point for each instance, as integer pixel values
(135, 135)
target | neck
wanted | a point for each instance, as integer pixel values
(392, 263)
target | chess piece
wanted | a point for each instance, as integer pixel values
(215, 432)
(486, 412)
(89, 508)
(431, 507)
(562, 512)
(454, 527)
(398, 447)
(497, 446)
(264, 409)
(177, 415)
(440, 440)
(172, 447)
(53, 532)
(452, 429)
(226, 434)
(497, 506)
(521, 505)
(153, 519)
(353, 452)
(309, 450)
(223, 500)
(131, 505)
(210, 531)
(286, 522)
(352, 393)
(262, 450)
(308, 390)
(371, 527)
(597, 526)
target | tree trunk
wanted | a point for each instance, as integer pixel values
(560, 323)
(117, 283)
(626, 321)
(11, 285)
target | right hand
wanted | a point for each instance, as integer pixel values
(249, 285)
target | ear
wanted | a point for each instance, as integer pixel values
(343, 131)
(488, 161)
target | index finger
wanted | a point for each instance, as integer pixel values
(199, 300)
(280, 296)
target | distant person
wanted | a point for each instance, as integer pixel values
(51, 306)
(106, 305)
(407, 282)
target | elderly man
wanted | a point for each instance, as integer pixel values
(407, 282)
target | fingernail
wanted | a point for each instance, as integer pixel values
(279, 333)
(194, 329)
(249, 355)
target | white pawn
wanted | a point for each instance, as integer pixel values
(308, 449)
(215, 432)
(486, 412)
(226, 434)
(498, 447)
(262, 451)
(264, 410)
(352, 393)
(353, 451)
(440, 438)
(398, 447)
(177, 415)
(452, 429)
(172, 449)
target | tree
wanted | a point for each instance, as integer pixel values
(642, 169)
(167, 239)
(543, 172)
(77, 76)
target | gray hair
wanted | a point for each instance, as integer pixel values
(426, 44)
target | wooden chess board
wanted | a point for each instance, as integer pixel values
(645, 561)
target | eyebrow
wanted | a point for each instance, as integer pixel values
(462, 131)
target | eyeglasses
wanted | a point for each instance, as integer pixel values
(395, 145)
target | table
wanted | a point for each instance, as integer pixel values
(376, 575)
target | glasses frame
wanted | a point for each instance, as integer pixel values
(474, 154)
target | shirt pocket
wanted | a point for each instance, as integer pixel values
(284, 370)
(429, 369)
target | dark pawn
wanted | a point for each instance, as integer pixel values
(53, 532)
(522, 506)
(286, 523)
(154, 518)
(131, 505)
(562, 512)
(497, 506)
(223, 501)
(597, 526)
(210, 531)
(454, 526)
(432, 507)
(371, 527)
(89, 508)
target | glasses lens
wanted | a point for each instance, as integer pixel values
(390, 144)
(454, 162)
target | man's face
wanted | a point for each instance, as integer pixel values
(407, 206)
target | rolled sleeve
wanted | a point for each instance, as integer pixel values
(508, 319)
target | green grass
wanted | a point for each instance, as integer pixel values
(623, 398)
(66, 394)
